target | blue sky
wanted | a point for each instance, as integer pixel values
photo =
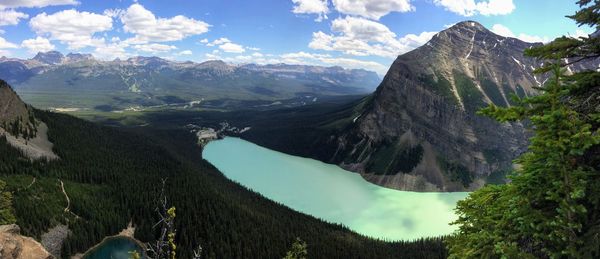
(350, 33)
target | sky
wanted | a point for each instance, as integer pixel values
(367, 34)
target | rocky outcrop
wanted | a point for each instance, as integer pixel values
(15, 246)
(420, 130)
(20, 127)
(53, 239)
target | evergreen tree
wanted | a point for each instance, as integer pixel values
(6, 210)
(551, 207)
(298, 250)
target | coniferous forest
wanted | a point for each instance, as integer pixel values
(113, 177)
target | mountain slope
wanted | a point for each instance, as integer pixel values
(79, 81)
(421, 130)
(15, 116)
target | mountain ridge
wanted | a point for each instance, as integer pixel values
(153, 81)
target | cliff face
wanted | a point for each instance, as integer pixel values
(15, 116)
(15, 246)
(420, 130)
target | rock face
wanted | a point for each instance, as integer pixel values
(420, 130)
(20, 128)
(15, 246)
(50, 57)
(15, 116)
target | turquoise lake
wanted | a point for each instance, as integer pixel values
(333, 194)
(114, 248)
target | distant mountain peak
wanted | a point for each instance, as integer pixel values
(50, 57)
(148, 61)
(215, 62)
(79, 57)
(469, 24)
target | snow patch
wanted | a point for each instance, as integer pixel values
(471, 50)
(518, 62)
(537, 81)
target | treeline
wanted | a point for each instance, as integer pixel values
(113, 176)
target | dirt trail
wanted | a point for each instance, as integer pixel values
(67, 209)
(62, 186)
(32, 182)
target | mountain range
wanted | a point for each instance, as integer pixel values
(79, 81)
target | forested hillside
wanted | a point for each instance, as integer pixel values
(113, 176)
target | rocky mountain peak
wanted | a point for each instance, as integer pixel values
(473, 25)
(423, 114)
(153, 62)
(50, 57)
(470, 33)
(214, 64)
(75, 57)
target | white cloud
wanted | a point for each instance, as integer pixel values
(470, 7)
(227, 45)
(580, 33)
(154, 48)
(114, 13)
(327, 60)
(34, 3)
(216, 42)
(4, 44)
(212, 56)
(110, 51)
(147, 28)
(76, 29)
(372, 9)
(185, 53)
(232, 47)
(38, 44)
(304, 58)
(11, 17)
(301, 58)
(362, 37)
(318, 7)
(506, 32)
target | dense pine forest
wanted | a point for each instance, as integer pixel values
(113, 176)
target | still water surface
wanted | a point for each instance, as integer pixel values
(328, 192)
(114, 248)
